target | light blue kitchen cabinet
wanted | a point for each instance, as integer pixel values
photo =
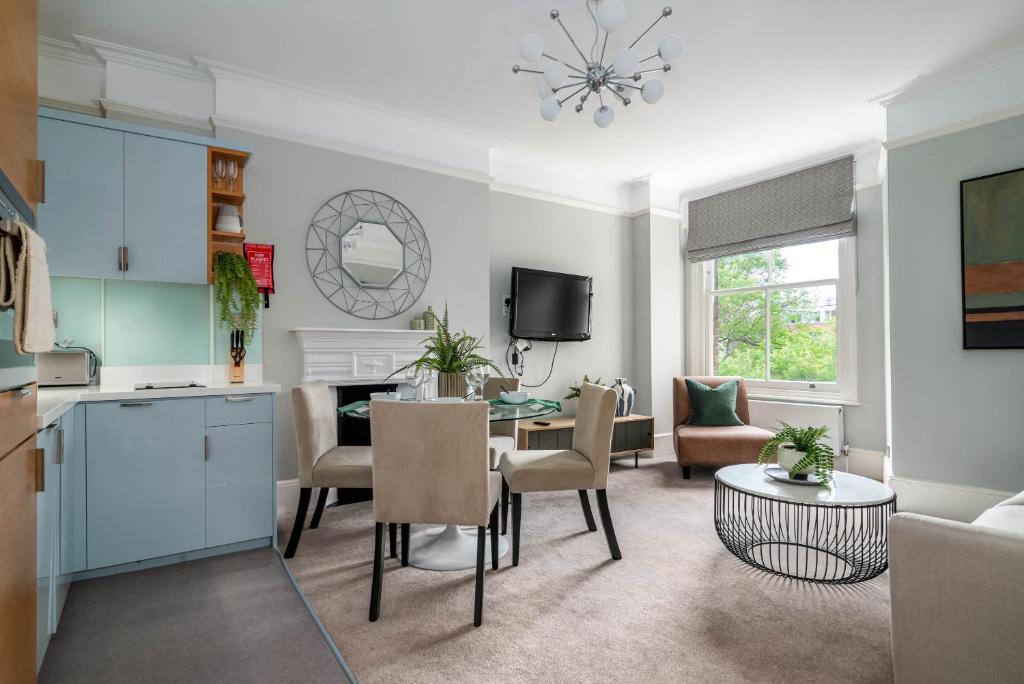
(165, 222)
(82, 219)
(146, 479)
(47, 537)
(74, 452)
(239, 483)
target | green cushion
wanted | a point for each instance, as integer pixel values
(713, 405)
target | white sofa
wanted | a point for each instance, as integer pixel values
(958, 596)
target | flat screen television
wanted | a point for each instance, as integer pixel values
(550, 306)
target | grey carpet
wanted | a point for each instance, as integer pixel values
(677, 607)
(232, 618)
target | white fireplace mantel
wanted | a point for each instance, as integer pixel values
(356, 356)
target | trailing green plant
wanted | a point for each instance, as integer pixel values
(808, 440)
(574, 390)
(238, 297)
(448, 352)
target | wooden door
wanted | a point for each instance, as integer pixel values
(82, 219)
(18, 568)
(18, 95)
(164, 210)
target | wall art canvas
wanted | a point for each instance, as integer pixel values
(992, 260)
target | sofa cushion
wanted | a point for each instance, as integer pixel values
(712, 406)
(719, 445)
(1017, 500)
(1002, 517)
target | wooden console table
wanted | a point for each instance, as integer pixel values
(632, 435)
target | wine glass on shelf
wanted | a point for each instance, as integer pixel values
(219, 170)
(232, 174)
(415, 377)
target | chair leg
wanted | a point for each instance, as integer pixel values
(393, 539)
(494, 537)
(606, 522)
(588, 514)
(319, 510)
(300, 521)
(478, 604)
(378, 571)
(405, 544)
(504, 506)
(517, 516)
(686, 472)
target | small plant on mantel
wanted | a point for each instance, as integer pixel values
(574, 390)
(451, 355)
(800, 451)
(238, 297)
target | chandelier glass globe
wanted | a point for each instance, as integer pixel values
(652, 90)
(612, 15)
(556, 74)
(604, 116)
(550, 109)
(531, 47)
(544, 91)
(626, 62)
(670, 49)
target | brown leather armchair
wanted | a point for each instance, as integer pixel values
(722, 445)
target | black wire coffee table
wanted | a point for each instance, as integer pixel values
(834, 535)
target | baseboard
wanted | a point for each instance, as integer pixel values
(288, 496)
(943, 499)
(172, 559)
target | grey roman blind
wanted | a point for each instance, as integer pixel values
(807, 206)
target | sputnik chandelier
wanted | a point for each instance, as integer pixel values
(616, 79)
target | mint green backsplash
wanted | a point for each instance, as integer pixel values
(142, 324)
(8, 359)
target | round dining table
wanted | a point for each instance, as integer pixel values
(453, 547)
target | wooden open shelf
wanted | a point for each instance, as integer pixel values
(219, 195)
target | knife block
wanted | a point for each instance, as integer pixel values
(236, 371)
(236, 357)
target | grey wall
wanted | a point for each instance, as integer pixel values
(865, 424)
(956, 414)
(555, 237)
(287, 182)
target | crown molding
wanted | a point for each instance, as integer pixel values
(982, 119)
(116, 109)
(66, 52)
(142, 59)
(529, 193)
(70, 106)
(337, 145)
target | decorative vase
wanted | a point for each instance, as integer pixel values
(569, 406)
(787, 456)
(451, 385)
(429, 319)
(625, 396)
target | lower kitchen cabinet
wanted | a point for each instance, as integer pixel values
(239, 482)
(145, 478)
(47, 537)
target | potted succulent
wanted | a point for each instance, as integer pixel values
(800, 452)
(571, 400)
(451, 355)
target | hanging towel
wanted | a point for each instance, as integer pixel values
(33, 315)
(10, 239)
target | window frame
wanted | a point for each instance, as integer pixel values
(844, 390)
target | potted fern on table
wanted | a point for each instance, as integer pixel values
(451, 356)
(800, 452)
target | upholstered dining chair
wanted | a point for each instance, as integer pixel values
(322, 463)
(429, 467)
(583, 467)
(503, 433)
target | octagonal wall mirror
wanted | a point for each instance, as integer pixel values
(371, 254)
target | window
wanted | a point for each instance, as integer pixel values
(781, 318)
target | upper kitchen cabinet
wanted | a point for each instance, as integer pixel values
(164, 210)
(124, 201)
(82, 219)
(18, 93)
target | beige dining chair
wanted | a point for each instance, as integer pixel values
(503, 432)
(322, 463)
(583, 467)
(429, 467)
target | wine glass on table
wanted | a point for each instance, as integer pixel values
(475, 378)
(415, 377)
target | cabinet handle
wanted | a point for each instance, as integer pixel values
(236, 399)
(41, 181)
(22, 392)
(130, 404)
(40, 470)
(125, 257)
(59, 457)
(206, 447)
(120, 258)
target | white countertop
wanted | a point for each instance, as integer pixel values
(53, 402)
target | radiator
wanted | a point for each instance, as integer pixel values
(768, 414)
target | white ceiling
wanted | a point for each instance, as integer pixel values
(760, 84)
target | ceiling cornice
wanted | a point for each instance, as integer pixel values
(142, 59)
(67, 52)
